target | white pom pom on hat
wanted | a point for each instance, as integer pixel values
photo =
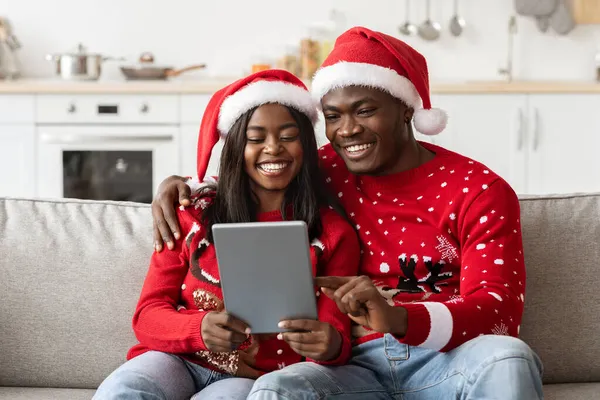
(431, 121)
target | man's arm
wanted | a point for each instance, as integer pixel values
(492, 278)
(172, 190)
(492, 283)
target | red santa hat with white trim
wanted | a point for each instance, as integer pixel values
(363, 57)
(228, 104)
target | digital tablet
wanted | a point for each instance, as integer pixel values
(266, 272)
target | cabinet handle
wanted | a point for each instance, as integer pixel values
(520, 130)
(72, 108)
(536, 129)
(145, 108)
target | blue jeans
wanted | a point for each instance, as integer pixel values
(155, 375)
(487, 367)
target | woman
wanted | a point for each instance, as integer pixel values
(268, 172)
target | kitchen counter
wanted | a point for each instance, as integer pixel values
(207, 86)
(54, 86)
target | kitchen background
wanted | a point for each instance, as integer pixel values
(116, 139)
(229, 35)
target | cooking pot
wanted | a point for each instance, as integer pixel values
(147, 70)
(80, 66)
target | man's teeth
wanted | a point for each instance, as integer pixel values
(358, 147)
(272, 167)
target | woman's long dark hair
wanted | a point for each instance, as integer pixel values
(234, 201)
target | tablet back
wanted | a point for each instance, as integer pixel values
(266, 272)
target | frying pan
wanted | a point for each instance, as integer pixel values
(146, 72)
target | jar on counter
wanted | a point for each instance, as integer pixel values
(309, 56)
(260, 63)
(290, 61)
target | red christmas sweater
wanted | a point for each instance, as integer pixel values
(182, 285)
(442, 240)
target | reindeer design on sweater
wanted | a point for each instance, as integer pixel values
(409, 282)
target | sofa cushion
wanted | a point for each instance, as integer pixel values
(561, 236)
(71, 274)
(572, 391)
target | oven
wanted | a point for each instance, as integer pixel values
(106, 147)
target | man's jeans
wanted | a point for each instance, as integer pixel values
(161, 376)
(487, 367)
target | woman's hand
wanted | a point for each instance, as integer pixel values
(164, 215)
(222, 332)
(316, 340)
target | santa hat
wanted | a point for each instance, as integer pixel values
(362, 57)
(228, 104)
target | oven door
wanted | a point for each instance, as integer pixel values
(120, 163)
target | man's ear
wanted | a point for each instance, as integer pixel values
(408, 114)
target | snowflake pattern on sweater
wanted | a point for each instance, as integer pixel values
(183, 285)
(443, 240)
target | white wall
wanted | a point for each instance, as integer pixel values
(226, 34)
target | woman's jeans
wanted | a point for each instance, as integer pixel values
(155, 375)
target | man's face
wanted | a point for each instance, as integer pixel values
(367, 128)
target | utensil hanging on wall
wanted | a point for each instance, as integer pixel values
(407, 28)
(543, 23)
(562, 19)
(429, 30)
(457, 23)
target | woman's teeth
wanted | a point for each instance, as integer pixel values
(358, 147)
(272, 167)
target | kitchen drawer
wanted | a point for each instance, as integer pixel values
(192, 107)
(17, 109)
(101, 109)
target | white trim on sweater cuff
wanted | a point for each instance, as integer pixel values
(441, 325)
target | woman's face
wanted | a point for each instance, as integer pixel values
(273, 152)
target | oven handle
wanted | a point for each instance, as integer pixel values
(66, 138)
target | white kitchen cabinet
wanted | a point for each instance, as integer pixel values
(17, 109)
(17, 160)
(564, 138)
(539, 143)
(489, 128)
(17, 146)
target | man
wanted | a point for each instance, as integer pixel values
(439, 305)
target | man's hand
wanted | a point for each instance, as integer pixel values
(164, 215)
(359, 298)
(222, 332)
(317, 340)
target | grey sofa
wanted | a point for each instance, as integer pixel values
(71, 272)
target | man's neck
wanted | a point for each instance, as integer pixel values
(412, 155)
